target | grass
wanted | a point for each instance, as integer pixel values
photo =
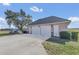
(73, 30)
(70, 48)
(4, 33)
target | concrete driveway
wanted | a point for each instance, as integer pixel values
(23, 44)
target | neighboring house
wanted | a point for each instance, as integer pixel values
(49, 26)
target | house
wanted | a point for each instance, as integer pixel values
(49, 26)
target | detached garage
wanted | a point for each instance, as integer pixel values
(49, 26)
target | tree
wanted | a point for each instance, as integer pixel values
(9, 17)
(18, 19)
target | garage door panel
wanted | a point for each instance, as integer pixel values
(45, 31)
(36, 30)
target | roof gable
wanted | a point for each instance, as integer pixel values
(50, 19)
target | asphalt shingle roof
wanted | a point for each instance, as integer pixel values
(50, 19)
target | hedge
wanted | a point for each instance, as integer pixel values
(69, 35)
(65, 35)
(74, 36)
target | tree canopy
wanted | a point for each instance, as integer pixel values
(18, 19)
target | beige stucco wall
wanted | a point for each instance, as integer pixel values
(62, 27)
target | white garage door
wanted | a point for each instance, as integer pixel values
(46, 31)
(56, 30)
(36, 30)
(43, 30)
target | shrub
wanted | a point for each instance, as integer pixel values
(69, 35)
(74, 36)
(65, 35)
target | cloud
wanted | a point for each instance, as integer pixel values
(74, 19)
(74, 22)
(2, 20)
(3, 23)
(36, 9)
(6, 4)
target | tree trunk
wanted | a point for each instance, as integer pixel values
(21, 29)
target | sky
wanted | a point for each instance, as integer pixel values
(41, 10)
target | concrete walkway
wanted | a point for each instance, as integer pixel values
(24, 44)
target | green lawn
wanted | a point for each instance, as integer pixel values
(4, 33)
(56, 48)
(70, 48)
(73, 30)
